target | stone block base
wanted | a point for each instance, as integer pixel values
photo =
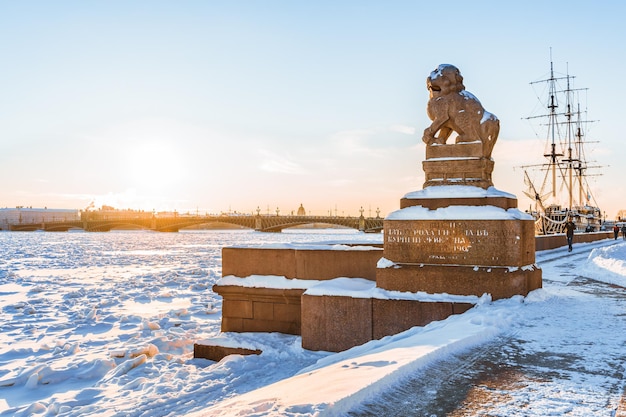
(500, 282)
(336, 323)
(395, 316)
(217, 353)
(462, 171)
(455, 151)
(318, 264)
(457, 164)
(442, 202)
(246, 309)
(555, 241)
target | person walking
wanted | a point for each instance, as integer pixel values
(570, 226)
(615, 231)
(624, 231)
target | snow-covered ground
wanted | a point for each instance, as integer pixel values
(103, 324)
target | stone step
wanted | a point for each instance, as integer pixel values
(216, 352)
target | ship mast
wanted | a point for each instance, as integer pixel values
(552, 126)
(579, 168)
(568, 137)
(552, 105)
(576, 166)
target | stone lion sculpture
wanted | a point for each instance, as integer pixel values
(452, 108)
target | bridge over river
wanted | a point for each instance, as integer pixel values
(175, 223)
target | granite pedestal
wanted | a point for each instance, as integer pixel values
(459, 240)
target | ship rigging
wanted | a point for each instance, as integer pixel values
(564, 190)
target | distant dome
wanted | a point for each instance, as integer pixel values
(301, 211)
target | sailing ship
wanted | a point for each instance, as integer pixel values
(564, 190)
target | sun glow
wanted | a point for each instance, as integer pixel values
(154, 166)
(151, 175)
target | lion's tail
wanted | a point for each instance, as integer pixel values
(491, 130)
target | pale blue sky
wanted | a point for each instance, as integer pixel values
(214, 105)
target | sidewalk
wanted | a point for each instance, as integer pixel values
(566, 358)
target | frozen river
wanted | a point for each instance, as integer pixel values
(106, 321)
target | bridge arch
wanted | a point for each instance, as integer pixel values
(175, 223)
(107, 226)
(280, 227)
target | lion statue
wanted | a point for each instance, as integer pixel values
(452, 108)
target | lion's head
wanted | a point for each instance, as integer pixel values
(444, 80)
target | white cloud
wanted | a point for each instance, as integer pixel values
(341, 182)
(376, 142)
(273, 162)
(352, 138)
(407, 130)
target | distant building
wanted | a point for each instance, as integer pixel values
(29, 215)
(301, 211)
(110, 213)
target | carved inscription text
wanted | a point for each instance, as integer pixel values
(449, 241)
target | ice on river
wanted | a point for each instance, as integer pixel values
(103, 324)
